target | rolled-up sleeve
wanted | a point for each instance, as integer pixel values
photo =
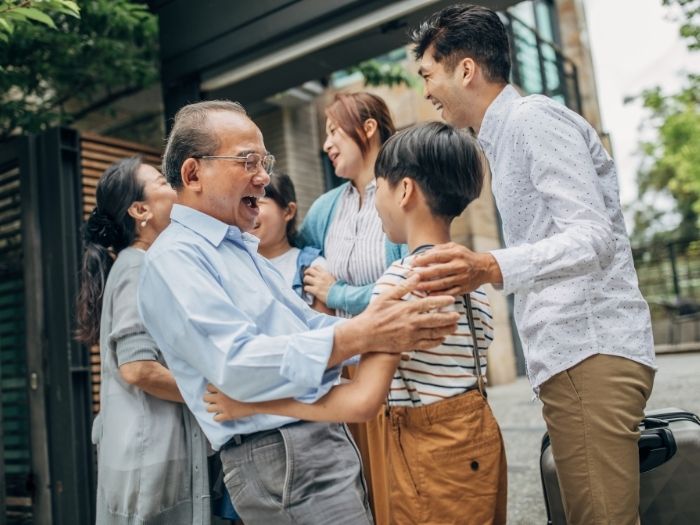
(189, 313)
(128, 338)
(561, 169)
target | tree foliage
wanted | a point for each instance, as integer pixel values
(671, 159)
(56, 76)
(20, 12)
(689, 17)
(378, 73)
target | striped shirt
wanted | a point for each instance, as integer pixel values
(427, 376)
(355, 242)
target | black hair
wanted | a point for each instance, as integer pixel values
(192, 135)
(108, 230)
(464, 30)
(281, 191)
(445, 162)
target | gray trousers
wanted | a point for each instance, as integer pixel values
(304, 473)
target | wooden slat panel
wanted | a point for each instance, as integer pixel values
(97, 154)
(16, 467)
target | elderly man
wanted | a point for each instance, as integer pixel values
(220, 313)
(585, 327)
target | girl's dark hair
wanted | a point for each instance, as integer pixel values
(281, 190)
(351, 110)
(446, 163)
(461, 31)
(108, 231)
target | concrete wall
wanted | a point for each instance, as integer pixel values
(573, 30)
(291, 134)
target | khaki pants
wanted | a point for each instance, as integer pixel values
(447, 463)
(370, 438)
(593, 411)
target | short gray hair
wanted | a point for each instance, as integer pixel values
(192, 136)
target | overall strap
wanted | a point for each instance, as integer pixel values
(481, 383)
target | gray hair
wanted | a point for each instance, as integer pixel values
(192, 136)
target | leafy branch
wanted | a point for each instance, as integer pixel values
(14, 13)
(56, 76)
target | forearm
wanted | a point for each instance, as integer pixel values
(153, 378)
(351, 299)
(353, 402)
(579, 250)
(351, 338)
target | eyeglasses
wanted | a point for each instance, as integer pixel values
(253, 161)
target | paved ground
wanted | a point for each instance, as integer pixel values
(677, 384)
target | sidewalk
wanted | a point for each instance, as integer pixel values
(677, 384)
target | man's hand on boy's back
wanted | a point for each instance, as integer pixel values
(452, 269)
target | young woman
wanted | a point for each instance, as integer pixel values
(276, 229)
(151, 454)
(343, 223)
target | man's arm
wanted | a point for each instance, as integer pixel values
(562, 171)
(389, 324)
(352, 402)
(213, 336)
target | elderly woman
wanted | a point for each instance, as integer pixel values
(151, 454)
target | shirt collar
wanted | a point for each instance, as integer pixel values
(213, 230)
(494, 114)
(371, 186)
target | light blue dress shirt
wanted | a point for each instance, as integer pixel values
(221, 313)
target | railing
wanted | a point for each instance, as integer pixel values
(539, 66)
(669, 278)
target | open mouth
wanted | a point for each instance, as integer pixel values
(333, 157)
(251, 202)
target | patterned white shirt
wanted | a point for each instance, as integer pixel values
(568, 258)
(427, 376)
(355, 246)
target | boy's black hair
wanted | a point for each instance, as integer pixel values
(281, 191)
(445, 162)
(461, 31)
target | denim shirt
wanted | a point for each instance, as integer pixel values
(314, 230)
(221, 313)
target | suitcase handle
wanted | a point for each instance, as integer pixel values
(656, 446)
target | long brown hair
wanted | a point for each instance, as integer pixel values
(351, 110)
(108, 231)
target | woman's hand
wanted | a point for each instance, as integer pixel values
(223, 407)
(318, 282)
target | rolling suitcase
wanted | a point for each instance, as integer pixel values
(669, 462)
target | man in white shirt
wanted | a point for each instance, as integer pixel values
(585, 327)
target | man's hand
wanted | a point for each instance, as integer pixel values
(223, 407)
(392, 325)
(317, 282)
(452, 269)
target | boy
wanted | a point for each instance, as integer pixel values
(446, 455)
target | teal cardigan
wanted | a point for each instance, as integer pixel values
(341, 296)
